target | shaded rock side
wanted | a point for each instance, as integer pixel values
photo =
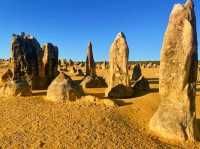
(90, 63)
(93, 82)
(64, 88)
(15, 88)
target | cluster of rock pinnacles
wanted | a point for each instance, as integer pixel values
(36, 67)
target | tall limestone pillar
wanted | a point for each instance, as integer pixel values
(175, 118)
(90, 63)
(118, 84)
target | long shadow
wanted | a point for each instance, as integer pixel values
(121, 102)
(77, 81)
(99, 95)
(39, 93)
(154, 90)
(198, 124)
(153, 80)
(139, 93)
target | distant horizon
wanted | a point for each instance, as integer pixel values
(71, 24)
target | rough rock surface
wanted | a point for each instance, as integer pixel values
(7, 76)
(10, 87)
(141, 84)
(118, 76)
(136, 73)
(120, 91)
(49, 70)
(15, 88)
(63, 88)
(175, 118)
(104, 65)
(137, 80)
(70, 63)
(93, 82)
(79, 72)
(90, 64)
(32, 63)
(25, 52)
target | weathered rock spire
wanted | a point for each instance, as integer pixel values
(175, 118)
(118, 84)
(90, 63)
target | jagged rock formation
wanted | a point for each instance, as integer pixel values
(50, 62)
(62, 65)
(63, 88)
(175, 118)
(10, 87)
(32, 63)
(104, 65)
(15, 88)
(25, 53)
(90, 64)
(79, 72)
(91, 80)
(118, 77)
(136, 73)
(7, 76)
(137, 80)
(141, 84)
(70, 63)
(73, 70)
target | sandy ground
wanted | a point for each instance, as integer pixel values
(33, 122)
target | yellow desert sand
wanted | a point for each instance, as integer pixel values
(34, 122)
(54, 103)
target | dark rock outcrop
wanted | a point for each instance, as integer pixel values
(38, 66)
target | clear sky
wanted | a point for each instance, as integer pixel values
(70, 24)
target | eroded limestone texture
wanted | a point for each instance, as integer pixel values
(175, 117)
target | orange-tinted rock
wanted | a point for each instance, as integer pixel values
(175, 118)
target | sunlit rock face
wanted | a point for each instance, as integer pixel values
(118, 75)
(175, 118)
(63, 88)
(10, 87)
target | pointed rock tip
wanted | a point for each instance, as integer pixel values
(189, 3)
(180, 7)
(177, 8)
(90, 43)
(120, 35)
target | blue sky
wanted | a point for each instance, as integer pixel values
(70, 24)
